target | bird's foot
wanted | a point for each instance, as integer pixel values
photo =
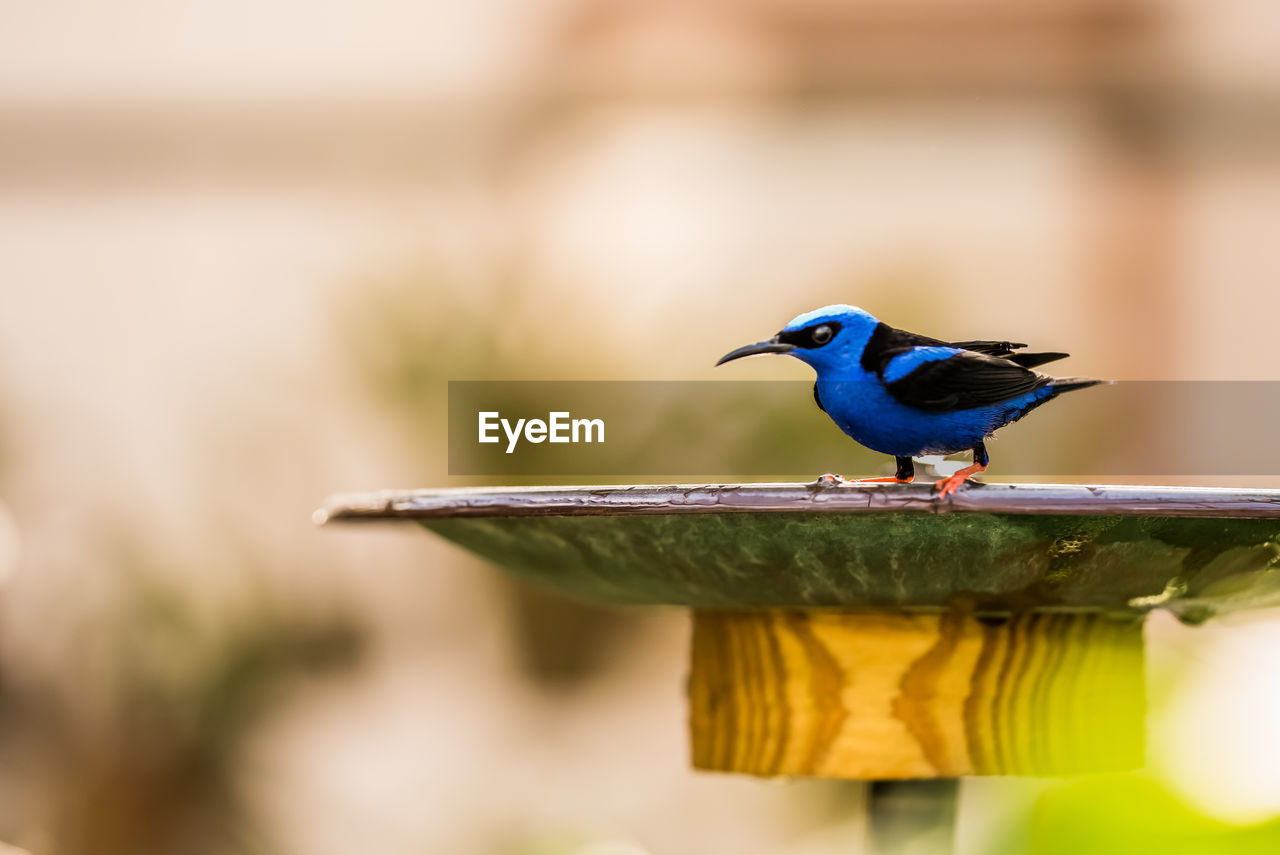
(947, 486)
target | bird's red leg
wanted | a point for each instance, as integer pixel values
(947, 486)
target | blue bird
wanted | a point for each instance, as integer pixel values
(909, 395)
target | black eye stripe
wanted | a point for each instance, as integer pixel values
(804, 337)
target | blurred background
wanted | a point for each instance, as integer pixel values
(244, 245)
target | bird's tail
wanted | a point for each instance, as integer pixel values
(1070, 384)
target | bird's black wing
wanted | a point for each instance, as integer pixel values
(886, 343)
(963, 381)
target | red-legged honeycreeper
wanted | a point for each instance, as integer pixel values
(909, 395)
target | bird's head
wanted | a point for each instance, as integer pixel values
(829, 338)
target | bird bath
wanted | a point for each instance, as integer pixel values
(877, 632)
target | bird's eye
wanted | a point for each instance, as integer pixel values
(822, 334)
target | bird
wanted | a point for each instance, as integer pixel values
(910, 395)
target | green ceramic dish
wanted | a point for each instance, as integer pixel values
(989, 548)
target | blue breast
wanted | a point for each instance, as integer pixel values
(862, 408)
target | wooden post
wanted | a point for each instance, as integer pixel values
(881, 696)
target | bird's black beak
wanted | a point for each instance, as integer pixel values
(770, 346)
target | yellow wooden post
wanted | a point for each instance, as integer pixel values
(875, 696)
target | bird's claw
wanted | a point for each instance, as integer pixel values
(947, 486)
(830, 479)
